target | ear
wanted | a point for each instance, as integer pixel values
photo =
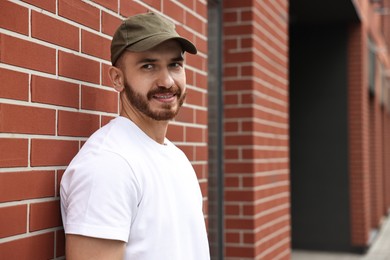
(117, 78)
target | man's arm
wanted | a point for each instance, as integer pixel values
(82, 247)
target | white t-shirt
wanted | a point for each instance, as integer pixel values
(123, 185)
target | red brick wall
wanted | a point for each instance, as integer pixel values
(54, 92)
(386, 155)
(369, 144)
(358, 124)
(385, 160)
(376, 162)
(257, 220)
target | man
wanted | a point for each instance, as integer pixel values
(130, 193)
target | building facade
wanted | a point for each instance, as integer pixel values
(286, 122)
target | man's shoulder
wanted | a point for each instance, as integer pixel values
(116, 136)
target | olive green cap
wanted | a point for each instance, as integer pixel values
(142, 32)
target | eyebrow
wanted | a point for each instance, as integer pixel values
(149, 60)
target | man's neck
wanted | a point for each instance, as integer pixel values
(156, 130)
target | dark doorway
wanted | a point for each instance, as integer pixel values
(319, 125)
(318, 132)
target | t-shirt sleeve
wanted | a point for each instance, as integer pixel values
(101, 196)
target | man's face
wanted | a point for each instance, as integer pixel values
(155, 81)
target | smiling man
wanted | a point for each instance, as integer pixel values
(130, 193)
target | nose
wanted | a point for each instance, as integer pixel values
(165, 79)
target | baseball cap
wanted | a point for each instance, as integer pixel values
(142, 32)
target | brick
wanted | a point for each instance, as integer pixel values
(80, 12)
(45, 215)
(196, 61)
(238, 196)
(99, 99)
(195, 97)
(233, 126)
(14, 17)
(230, 17)
(54, 92)
(232, 237)
(14, 84)
(80, 68)
(232, 44)
(28, 120)
(175, 133)
(194, 134)
(34, 247)
(186, 114)
(195, 23)
(201, 117)
(238, 223)
(109, 23)
(127, 8)
(172, 9)
(48, 5)
(13, 152)
(201, 81)
(95, 45)
(201, 8)
(54, 31)
(13, 220)
(34, 56)
(106, 81)
(154, 3)
(110, 4)
(60, 243)
(52, 152)
(26, 185)
(242, 167)
(269, 230)
(232, 182)
(232, 99)
(201, 153)
(239, 140)
(190, 77)
(189, 4)
(232, 71)
(238, 57)
(77, 124)
(232, 210)
(238, 112)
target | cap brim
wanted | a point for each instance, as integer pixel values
(152, 41)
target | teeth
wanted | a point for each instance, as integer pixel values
(157, 96)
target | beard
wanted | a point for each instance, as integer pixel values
(142, 103)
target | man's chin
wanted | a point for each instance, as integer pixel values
(162, 115)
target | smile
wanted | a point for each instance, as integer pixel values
(165, 97)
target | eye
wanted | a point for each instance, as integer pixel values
(176, 65)
(147, 66)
